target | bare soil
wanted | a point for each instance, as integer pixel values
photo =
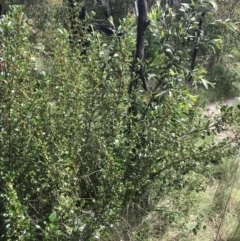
(213, 108)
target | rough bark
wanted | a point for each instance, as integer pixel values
(143, 22)
(195, 51)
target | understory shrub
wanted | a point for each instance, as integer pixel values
(73, 154)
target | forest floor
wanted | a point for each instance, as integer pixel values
(219, 203)
(214, 109)
(223, 223)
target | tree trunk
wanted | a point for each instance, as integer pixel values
(143, 22)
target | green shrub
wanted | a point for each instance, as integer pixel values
(72, 155)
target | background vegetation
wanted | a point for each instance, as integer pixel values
(84, 159)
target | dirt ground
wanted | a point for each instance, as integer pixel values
(213, 108)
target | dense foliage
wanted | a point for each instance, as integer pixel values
(74, 155)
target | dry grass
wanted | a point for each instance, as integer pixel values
(55, 3)
(217, 208)
(220, 206)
